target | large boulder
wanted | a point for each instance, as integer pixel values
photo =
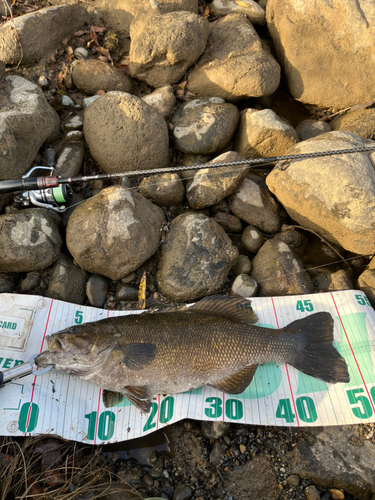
(32, 36)
(360, 122)
(124, 133)
(26, 122)
(114, 232)
(29, 240)
(195, 259)
(325, 49)
(236, 64)
(164, 46)
(334, 195)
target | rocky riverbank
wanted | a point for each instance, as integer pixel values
(121, 86)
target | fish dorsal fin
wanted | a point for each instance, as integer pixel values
(236, 383)
(137, 356)
(235, 308)
(140, 397)
(111, 398)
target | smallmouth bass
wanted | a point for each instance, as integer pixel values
(214, 342)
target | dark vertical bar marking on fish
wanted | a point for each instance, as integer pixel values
(354, 356)
(33, 389)
(286, 367)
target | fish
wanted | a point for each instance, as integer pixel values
(214, 342)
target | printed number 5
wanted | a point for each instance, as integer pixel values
(78, 317)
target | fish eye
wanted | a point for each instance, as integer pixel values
(73, 329)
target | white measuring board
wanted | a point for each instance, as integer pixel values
(64, 405)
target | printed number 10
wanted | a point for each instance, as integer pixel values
(106, 425)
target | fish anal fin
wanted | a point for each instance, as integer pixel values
(137, 356)
(236, 383)
(236, 308)
(139, 396)
(111, 398)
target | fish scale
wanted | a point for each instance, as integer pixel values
(214, 342)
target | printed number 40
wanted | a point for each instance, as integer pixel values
(304, 305)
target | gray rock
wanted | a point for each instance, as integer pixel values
(329, 282)
(195, 259)
(366, 283)
(255, 205)
(230, 223)
(250, 8)
(165, 45)
(215, 430)
(114, 232)
(252, 239)
(166, 189)
(8, 282)
(74, 136)
(336, 200)
(40, 33)
(301, 244)
(67, 282)
(156, 470)
(2, 70)
(217, 453)
(93, 75)
(236, 63)
(162, 99)
(337, 457)
(303, 31)
(26, 121)
(31, 282)
(81, 54)
(97, 290)
(293, 480)
(211, 185)
(70, 159)
(43, 82)
(278, 271)
(126, 292)
(67, 101)
(74, 123)
(308, 129)
(360, 122)
(244, 286)
(140, 143)
(29, 240)
(89, 100)
(243, 265)
(183, 492)
(312, 493)
(263, 134)
(204, 126)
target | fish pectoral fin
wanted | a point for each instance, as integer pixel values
(137, 356)
(235, 308)
(111, 398)
(139, 396)
(236, 383)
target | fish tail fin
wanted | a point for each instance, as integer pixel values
(315, 355)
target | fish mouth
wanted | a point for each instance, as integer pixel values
(54, 345)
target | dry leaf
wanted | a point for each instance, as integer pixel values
(60, 78)
(103, 58)
(80, 32)
(142, 292)
(241, 4)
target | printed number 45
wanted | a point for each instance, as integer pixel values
(304, 305)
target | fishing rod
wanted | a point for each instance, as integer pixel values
(52, 191)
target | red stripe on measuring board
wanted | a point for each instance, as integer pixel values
(354, 356)
(33, 389)
(286, 367)
(97, 411)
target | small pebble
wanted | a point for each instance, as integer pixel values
(126, 292)
(214, 430)
(244, 286)
(337, 494)
(88, 100)
(242, 448)
(243, 265)
(74, 136)
(182, 492)
(157, 469)
(43, 82)
(97, 290)
(67, 101)
(293, 480)
(312, 493)
(81, 53)
(252, 239)
(74, 123)
(230, 223)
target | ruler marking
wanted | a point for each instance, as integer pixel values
(286, 367)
